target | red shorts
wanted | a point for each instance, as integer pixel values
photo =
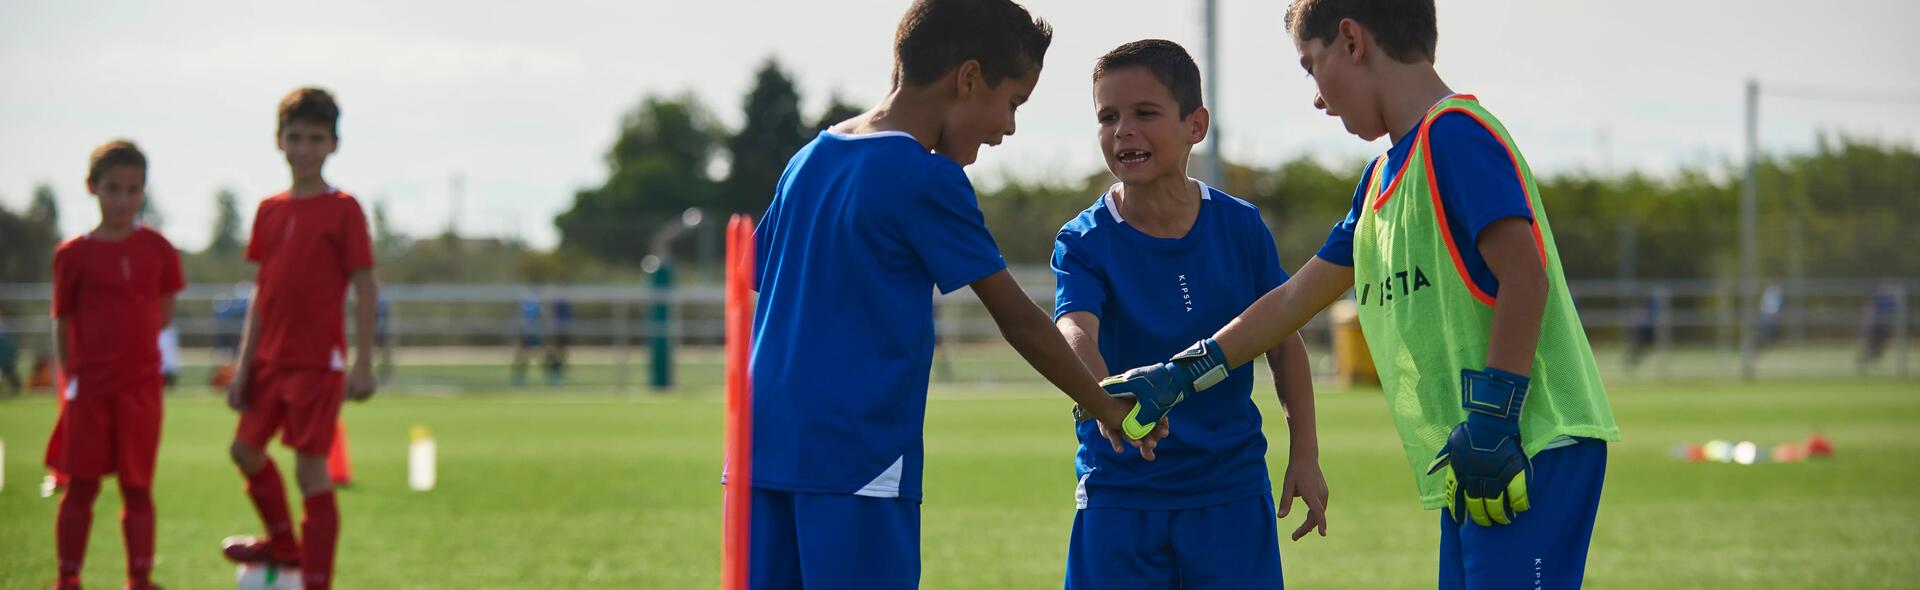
(109, 424)
(304, 404)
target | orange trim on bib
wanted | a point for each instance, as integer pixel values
(1440, 211)
(1381, 201)
(1418, 136)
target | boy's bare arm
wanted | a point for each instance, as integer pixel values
(1282, 311)
(243, 361)
(1513, 255)
(1293, 383)
(366, 301)
(59, 341)
(1082, 331)
(1034, 337)
(1487, 472)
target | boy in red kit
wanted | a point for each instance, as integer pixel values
(112, 292)
(310, 243)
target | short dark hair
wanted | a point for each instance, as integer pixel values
(118, 152)
(1406, 29)
(937, 36)
(309, 105)
(1167, 61)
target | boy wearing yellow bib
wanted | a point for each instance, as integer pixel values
(1486, 369)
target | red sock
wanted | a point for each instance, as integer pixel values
(136, 526)
(321, 524)
(269, 496)
(75, 520)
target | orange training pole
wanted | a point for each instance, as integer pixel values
(739, 429)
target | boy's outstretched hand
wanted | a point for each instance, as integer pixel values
(1158, 387)
(1116, 437)
(1305, 481)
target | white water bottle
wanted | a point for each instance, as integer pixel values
(420, 472)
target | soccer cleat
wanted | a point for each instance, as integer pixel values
(148, 586)
(248, 549)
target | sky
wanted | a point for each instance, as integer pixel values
(520, 100)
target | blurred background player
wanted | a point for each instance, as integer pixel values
(169, 343)
(1161, 260)
(381, 335)
(311, 244)
(561, 335)
(230, 322)
(530, 329)
(1645, 333)
(868, 220)
(1773, 308)
(1876, 328)
(113, 290)
(9, 359)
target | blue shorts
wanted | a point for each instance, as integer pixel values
(1231, 545)
(802, 540)
(1546, 546)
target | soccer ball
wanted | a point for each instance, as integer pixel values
(267, 577)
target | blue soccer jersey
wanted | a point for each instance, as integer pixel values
(1155, 297)
(861, 232)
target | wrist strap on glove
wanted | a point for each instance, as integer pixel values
(1493, 393)
(1204, 364)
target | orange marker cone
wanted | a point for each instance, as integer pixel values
(1819, 447)
(1696, 453)
(339, 465)
(222, 376)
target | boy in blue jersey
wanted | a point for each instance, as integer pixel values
(1159, 261)
(866, 222)
(1484, 362)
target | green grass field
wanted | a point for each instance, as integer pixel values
(603, 490)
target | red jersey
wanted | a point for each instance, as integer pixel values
(307, 249)
(111, 294)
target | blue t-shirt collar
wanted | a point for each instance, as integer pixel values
(845, 137)
(1206, 194)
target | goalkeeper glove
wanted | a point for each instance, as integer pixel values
(1486, 467)
(1157, 388)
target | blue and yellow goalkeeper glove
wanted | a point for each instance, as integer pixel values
(1156, 388)
(1487, 469)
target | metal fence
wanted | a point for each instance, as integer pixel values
(466, 337)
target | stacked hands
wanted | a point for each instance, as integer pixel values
(1153, 390)
(1146, 394)
(1485, 466)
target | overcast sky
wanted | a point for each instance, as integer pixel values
(523, 98)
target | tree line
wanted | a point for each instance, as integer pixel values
(1840, 209)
